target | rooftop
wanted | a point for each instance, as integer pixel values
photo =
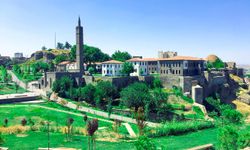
(142, 59)
(112, 62)
(182, 58)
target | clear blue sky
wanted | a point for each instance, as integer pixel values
(141, 27)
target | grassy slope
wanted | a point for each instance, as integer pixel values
(10, 89)
(39, 139)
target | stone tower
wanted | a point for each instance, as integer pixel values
(79, 47)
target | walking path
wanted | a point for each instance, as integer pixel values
(130, 130)
(103, 114)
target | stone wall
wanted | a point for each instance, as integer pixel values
(121, 82)
(168, 81)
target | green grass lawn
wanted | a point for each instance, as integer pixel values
(36, 114)
(39, 139)
(10, 89)
(34, 139)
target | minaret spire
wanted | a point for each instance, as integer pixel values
(79, 21)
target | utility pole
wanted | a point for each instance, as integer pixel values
(48, 136)
(55, 40)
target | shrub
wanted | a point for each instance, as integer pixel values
(144, 143)
(23, 122)
(177, 128)
(198, 111)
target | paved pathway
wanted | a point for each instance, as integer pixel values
(106, 115)
(130, 130)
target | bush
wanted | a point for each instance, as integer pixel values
(144, 143)
(177, 128)
(198, 111)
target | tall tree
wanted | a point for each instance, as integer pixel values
(60, 45)
(67, 45)
(44, 48)
(121, 56)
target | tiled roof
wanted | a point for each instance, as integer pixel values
(64, 62)
(182, 58)
(143, 59)
(112, 62)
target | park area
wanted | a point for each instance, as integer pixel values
(33, 132)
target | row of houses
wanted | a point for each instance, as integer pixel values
(177, 65)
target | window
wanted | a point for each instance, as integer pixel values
(107, 71)
(107, 66)
(145, 70)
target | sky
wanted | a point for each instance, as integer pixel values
(141, 27)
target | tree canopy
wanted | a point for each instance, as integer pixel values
(121, 56)
(91, 54)
(127, 68)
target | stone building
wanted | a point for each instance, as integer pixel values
(76, 74)
(111, 68)
(167, 54)
(18, 55)
(181, 66)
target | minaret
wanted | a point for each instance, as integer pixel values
(79, 47)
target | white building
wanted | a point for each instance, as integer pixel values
(141, 66)
(111, 68)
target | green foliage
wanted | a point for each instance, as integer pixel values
(135, 95)
(60, 45)
(1, 139)
(178, 92)
(121, 56)
(198, 111)
(105, 92)
(218, 64)
(62, 86)
(157, 83)
(127, 68)
(4, 76)
(88, 94)
(91, 70)
(92, 54)
(67, 45)
(227, 138)
(145, 143)
(60, 58)
(227, 114)
(178, 128)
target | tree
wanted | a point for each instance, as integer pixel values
(135, 95)
(69, 127)
(140, 120)
(60, 58)
(157, 83)
(62, 86)
(127, 68)
(227, 138)
(92, 54)
(44, 48)
(144, 143)
(87, 94)
(92, 127)
(105, 92)
(67, 45)
(121, 56)
(60, 45)
(91, 70)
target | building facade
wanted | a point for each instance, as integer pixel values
(112, 68)
(144, 66)
(181, 66)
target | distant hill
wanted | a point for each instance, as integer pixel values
(47, 54)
